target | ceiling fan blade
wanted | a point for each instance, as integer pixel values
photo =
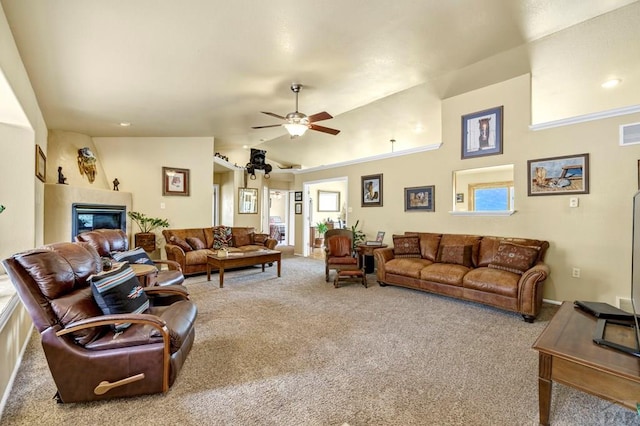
(323, 129)
(273, 115)
(324, 115)
(264, 127)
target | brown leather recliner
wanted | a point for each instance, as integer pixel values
(87, 358)
(106, 241)
(338, 248)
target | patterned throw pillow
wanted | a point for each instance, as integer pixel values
(221, 237)
(406, 246)
(458, 255)
(180, 243)
(118, 291)
(196, 243)
(137, 255)
(260, 238)
(514, 258)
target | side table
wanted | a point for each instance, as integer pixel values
(146, 273)
(366, 256)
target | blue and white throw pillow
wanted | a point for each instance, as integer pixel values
(118, 291)
(137, 255)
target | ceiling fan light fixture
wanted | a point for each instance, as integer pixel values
(295, 129)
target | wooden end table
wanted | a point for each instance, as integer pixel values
(238, 259)
(147, 274)
(568, 355)
(366, 253)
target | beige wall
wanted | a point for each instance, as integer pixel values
(63, 152)
(595, 237)
(138, 162)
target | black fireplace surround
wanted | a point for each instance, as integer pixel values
(87, 217)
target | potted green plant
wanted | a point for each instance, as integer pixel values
(146, 238)
(321, 228)
(358, 236)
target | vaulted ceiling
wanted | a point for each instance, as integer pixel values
(208, 67)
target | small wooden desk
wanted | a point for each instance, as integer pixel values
(568, 355)
(238, 259)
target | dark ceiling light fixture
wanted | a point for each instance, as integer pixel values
(257, 161)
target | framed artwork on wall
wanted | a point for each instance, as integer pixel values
(372, 191)
(247, 200)
(41, 164)
(558, 175)
(298, 196)
(328, 201)
(420, 198)
(175, 181)
(298, 208)
(482, 133)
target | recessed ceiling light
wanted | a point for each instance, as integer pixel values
(611, 83)
(125, 124)
(245, 146)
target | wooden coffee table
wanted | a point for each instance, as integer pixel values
(569, 356)
(238, 259)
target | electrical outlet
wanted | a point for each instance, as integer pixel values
(162, 205)
(575, 273)
(573, 202)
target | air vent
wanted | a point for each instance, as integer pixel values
(630, 134)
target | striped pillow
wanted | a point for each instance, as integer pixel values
(137, 255)
(118, 291)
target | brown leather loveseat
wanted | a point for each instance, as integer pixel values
(506, 273)
(190, 247)
(95, 355)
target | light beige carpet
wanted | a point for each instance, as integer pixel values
(296, 351)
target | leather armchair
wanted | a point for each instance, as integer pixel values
(106, 241)
(338, 248)
(87, 358)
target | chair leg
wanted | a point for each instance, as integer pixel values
(326, 273)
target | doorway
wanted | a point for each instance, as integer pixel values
(315, 211)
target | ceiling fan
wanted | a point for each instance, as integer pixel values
(297, 123)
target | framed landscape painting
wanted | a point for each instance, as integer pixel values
(482, 133)
(420, 198)
(559, 175)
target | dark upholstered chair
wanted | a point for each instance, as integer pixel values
(338, 247)
(87, 358)
(107, 241)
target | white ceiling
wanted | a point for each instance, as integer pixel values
(208, 67)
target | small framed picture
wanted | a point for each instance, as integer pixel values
(420, 198)
(298, 208)
(175, 181)
(41, 164)
(298, 196)
(559, 175)
(380, 236)
(482, 133)
(247, 200)
(372, 191)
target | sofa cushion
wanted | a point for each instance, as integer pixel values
(197, 257)
(489, 247)
(53, 274)
(514, 258)
(463, 240)
(221, 237)
(180, 243)
(137, 255)
(76, 306)
(444, 273)
(494, 281)
(407, 267)
(196, 243)
(459, 255)
(118, 291)
(241, 237)
(260, 239)
(406, 246)
(208, 237)
(429, 244)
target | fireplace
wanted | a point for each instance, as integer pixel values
(87, 217)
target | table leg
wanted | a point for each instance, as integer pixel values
(263, 267)
(278, 261)
(544, 387)
(221, 275)
(208, 271)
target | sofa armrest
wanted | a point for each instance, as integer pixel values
(167, 290)
(270, 243)
(174, 253)
(382, 256)
(530, 289)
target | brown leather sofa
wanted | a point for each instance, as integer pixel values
(190, 247)
(506, 273)
(87, 358)
(108, 241)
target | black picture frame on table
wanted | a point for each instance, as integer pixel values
(371, 188)
(568, 174)
(482, 133)
(420, 198)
